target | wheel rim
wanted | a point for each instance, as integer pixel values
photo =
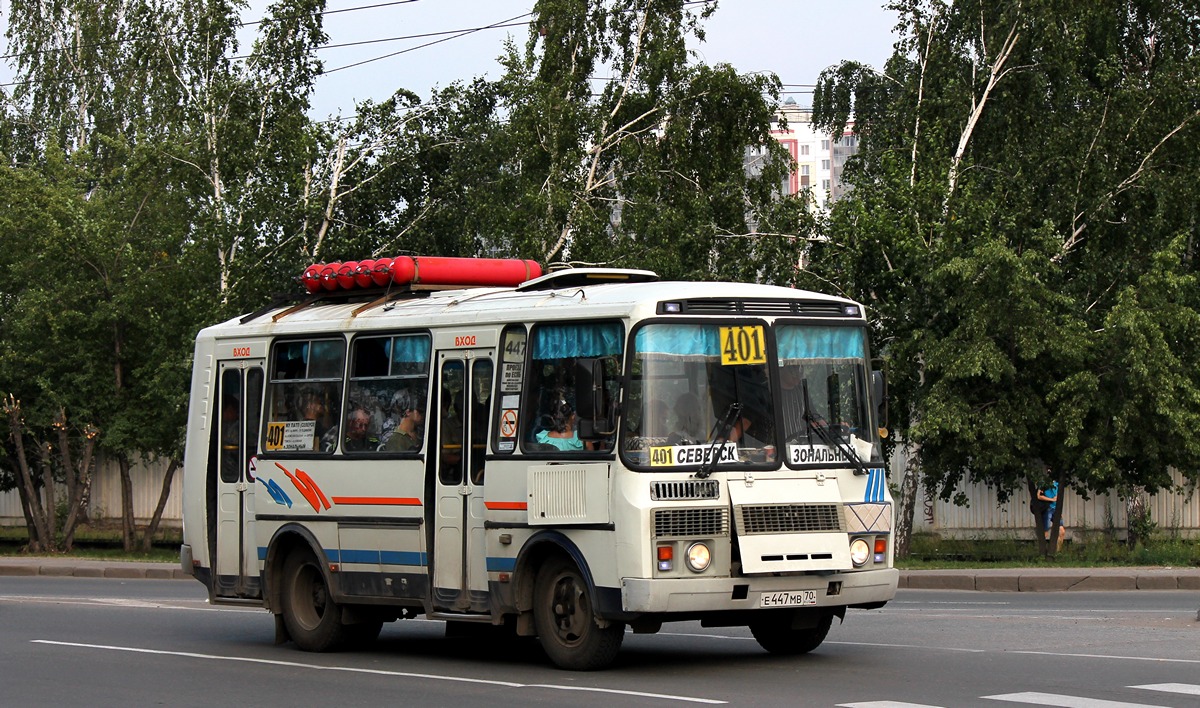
(570, 610)
(310, 596)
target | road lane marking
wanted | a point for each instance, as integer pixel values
(1187, 689)
(885, 704)
(121, 602)
(381, 672)
(1053, 699)
(1109, 656)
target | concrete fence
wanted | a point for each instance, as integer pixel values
(105, 498)
(985, 517)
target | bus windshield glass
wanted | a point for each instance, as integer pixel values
(823, 394)
(700, 396)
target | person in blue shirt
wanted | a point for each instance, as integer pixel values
(561, 431)
(1049, 495)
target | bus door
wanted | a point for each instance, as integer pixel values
(459, 544)
(235, 557)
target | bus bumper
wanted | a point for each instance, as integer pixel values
(686, 595)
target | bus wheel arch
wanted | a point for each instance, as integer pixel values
(557, 600)
(302, 592)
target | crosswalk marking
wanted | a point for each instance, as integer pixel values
(1187, 689)
(1052, 699)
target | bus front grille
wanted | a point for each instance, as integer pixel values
(690, 523)
(790, 518)
(685, 489)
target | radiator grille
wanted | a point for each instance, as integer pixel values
(790, 518)
(761, 306)
(685, 489)
(670, 523)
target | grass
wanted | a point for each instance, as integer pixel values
(98, 541)
(928, 552)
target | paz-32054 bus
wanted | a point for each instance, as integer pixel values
(568, 455)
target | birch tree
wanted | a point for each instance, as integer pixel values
(1023, 225)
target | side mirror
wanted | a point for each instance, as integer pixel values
(879, 396)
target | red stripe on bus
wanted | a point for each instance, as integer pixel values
(378, 501)
(509, 506)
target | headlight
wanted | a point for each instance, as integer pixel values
(698, 557)
(860, 551)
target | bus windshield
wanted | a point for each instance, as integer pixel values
(700, 395)
(823, 393)
(707, 395)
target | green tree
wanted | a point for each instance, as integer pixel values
(1023, 224)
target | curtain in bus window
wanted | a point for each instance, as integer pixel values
(584, 340)
(821, 342)
(679, 341)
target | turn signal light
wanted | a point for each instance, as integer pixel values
(665, 555)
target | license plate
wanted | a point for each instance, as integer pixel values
(794, 598)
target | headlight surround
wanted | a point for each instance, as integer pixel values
(860, 551)
(699, 557)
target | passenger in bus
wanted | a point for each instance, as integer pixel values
(312, 407)
(560, 431)
(792, 399)
(407, 423)
(359, 437)
(689, 427)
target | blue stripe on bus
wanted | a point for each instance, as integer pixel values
(875, 482)
(501, 565)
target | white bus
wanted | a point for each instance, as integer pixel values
(568, 456)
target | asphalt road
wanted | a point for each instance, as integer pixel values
(113, 642)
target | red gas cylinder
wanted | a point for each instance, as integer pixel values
(436, 270)
(363, 277)
(345, 274)
(312, 277)
(329, 276)
(382, 272)
(404, 270)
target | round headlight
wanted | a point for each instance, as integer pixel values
(698, 557)
(860, 551)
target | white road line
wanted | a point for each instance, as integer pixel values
(380, 672)
(908, 646)
(885, 704)
(1187, 689)
(116, 602)
(1110, 656)
(1053, 699)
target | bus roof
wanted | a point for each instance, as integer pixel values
(363, 311)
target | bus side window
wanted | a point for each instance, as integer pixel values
(389, 384)
(305, 394)
(553, 420)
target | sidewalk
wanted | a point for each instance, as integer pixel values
(988, 580)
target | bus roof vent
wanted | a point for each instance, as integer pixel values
(578, 277)
(767, 307)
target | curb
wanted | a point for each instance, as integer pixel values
(55, 567)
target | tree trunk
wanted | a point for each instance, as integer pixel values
(50, 505)
(79, 481)
(152, 528)
(908, 500)
(31, 502)
(128, 526)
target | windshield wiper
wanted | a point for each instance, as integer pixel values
(822, 431)
(721, 430)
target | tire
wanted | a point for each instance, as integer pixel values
(313, 619)
(566, 621)
(780, 638)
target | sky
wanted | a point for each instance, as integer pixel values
(795, 39)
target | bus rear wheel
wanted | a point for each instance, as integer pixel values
(313, 619)
(782, 639)
(566, 620)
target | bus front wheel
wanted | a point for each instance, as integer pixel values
(566, 622)
(782, 639)
(313, 619)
